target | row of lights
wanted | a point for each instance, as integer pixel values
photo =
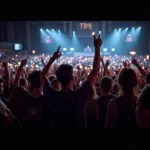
(112, 49)
(127, 28)
(71, 49)
(49, 30)
(93, 33)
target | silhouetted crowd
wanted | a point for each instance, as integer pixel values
(54, 93)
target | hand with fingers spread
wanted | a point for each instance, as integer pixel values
(97, 41)
(57, 54)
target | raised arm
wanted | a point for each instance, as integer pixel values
(141, 70)
(45, 71)
(7, 74)
(96, 64)
(18, 74)
(42, 61)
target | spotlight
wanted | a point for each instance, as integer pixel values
(46, 29)
(139, 27)
(133, 28)
(33, 52)
(71, 49)
(115, 30)
(99, 32)
(126, 28)
(73, 32)
(88, 47)
(93, 33)
(64, 49)
(105, 49)
(119, 28)
(41, 29)
(58, 30)
(52, 29)
(113, 49)
(132, 53)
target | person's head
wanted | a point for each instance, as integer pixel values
(64, 74)
(55, 84)
(23, 82)
(94, 94)
(143, 108)
(127, 80)
(147, 78)
(106, 84)
(1, 86)
(34, 79)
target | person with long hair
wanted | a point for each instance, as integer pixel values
(121, 110)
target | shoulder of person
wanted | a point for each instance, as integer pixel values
(113, 102)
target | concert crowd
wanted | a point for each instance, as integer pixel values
(59, 92)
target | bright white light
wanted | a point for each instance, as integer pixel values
(99, 32)
(147, 57)
(139, 27)
(58, 30)
(41, 29)
(93, 33)
(74, 32)
(64, 49)
(88, 47)
(46, 29)
(113, 49)
(33, 52)
(115, 30)
(126, 28)
(132, 53)
(119, 28)
(52, 29)
(105, 49)
(72, 49)
(133, 28)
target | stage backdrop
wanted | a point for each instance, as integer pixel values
(85, 29)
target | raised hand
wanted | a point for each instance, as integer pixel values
(5, 64)
(107, 62)
(134, 62)
(24, 62)
(97, 41)
(124, 64)
(57, 54)
(42, 60)
(101, 59)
